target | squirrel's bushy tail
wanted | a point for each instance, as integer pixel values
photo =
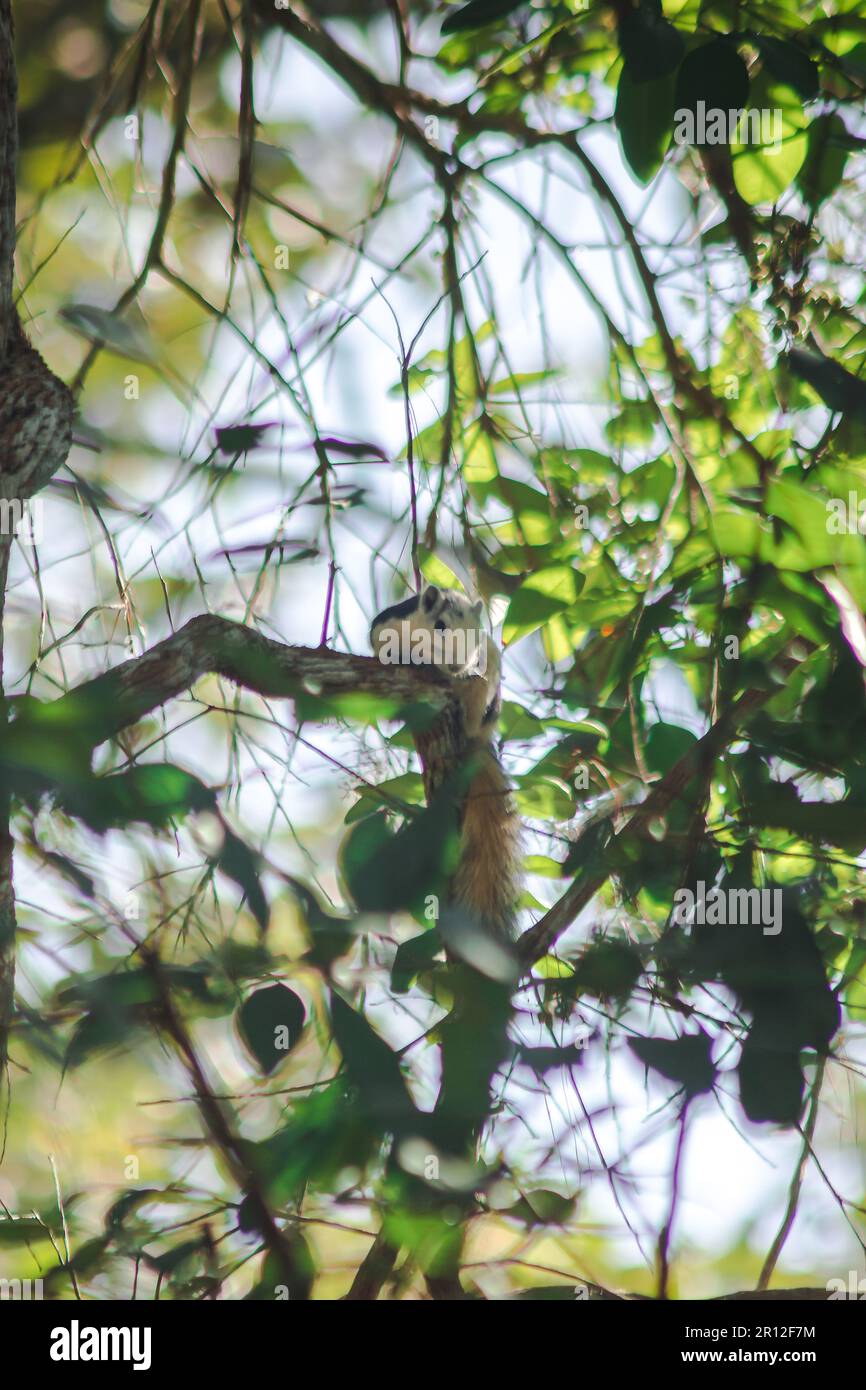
(487, 879)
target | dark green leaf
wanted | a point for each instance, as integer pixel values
(651, 47)
(790, 65)
(542, 1059)
(331, 936)
(478, 13)
(327, 1132)
(270, 1022)
(239, 439)
(684, 1060)
(89, 1259)
(826, 155)
(413, 957)
(644, 119)
(386, 872)
(665, 745)
(714, 74)
(287, 1276)
(771, 1082)
(102, 1030)
(542, 1207)
(373, 1069)
(154, 793)
(608, 969)
(839, 389)
(240, 864)
(21, 1231)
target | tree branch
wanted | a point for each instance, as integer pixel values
(538, 940)
(217, 1120)
(213, 645)
(208, 644)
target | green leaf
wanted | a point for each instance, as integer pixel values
(116, 333)
(128, 989)
(385, 872)
(608, 969)
(518, 381)
(665, 745)
(154, 793)
(651, 47)
(102, 1030)
(832, 822)
(764, 167)
(129, 1203)
(400, 792)
(644, 119)
(120, 1004)
(270, 1022)
(325, 1134)
(544, 1059)
(289, 1273)
(545, 798)
(372, 1067)
(771, 1081)
(684, 1060)
(21, 1231)
(478, 13)
(240, 864)
(838, 388)
(516, 722)
(414, 956)
(239, 439)
(542, 1207)
(714, 74)
(435, 571)
(789, 64)
(541, 596)
(89, 1259)
(331, 936)
(634, 426)
(827, 152)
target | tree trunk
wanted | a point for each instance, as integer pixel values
(35, 435)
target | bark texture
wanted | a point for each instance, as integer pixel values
(35, 435)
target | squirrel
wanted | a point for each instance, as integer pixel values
(443, 628)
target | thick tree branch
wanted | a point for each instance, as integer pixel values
(213, 645)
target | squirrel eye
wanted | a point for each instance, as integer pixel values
(439, 626)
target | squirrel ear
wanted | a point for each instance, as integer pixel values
(478, 608)
(430, 598)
